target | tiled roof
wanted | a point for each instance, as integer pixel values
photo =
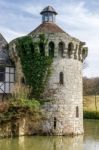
(47, 28)
(4, 56)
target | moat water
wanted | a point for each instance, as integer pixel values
(90, 141)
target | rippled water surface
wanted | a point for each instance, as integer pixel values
(90, 141)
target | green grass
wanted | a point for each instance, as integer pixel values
(89, 107)
(89, 103)
(91, 115)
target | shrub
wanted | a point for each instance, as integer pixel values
(91, 115)
(35, 65)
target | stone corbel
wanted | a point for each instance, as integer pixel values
(75, 54)
(56, 50)
(84, 52)
(64, 53)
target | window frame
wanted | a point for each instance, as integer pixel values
(2, 74)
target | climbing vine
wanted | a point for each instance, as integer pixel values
(35, 64)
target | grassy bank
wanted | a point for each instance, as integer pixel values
(91, 107)
(91, 115)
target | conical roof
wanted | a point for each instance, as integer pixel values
(47, 27)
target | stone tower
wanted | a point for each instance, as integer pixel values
(64, 111)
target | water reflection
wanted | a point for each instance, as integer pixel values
(91, 137)
(42, 143)
(90, 142)
(52, 143)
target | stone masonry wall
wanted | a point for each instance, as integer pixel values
(65, 98)
(64, 112)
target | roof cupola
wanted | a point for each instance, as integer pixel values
(48, 14)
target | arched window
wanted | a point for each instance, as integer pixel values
(61, 78)
(51, 49)
(42, 49)
(70, 49)
(61, 49)
(55, 122)
(77, 111)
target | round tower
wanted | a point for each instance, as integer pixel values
(64, 111)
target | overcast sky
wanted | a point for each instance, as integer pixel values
(79, 18)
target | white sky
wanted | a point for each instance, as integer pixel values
(79, 18)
